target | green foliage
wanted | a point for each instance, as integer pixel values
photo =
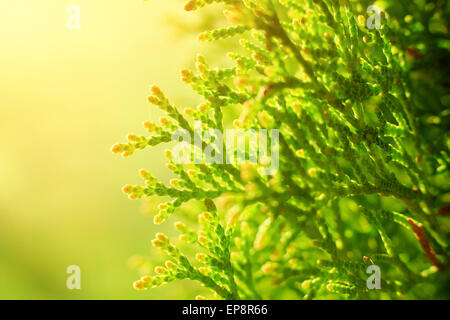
(364, 154)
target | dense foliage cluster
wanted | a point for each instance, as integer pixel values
(363, 175)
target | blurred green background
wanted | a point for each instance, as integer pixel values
(66, 97)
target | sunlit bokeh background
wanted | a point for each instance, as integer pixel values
(66, 97)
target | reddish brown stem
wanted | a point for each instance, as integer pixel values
(444, 211)
(424, 243)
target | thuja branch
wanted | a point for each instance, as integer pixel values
(358, 168)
